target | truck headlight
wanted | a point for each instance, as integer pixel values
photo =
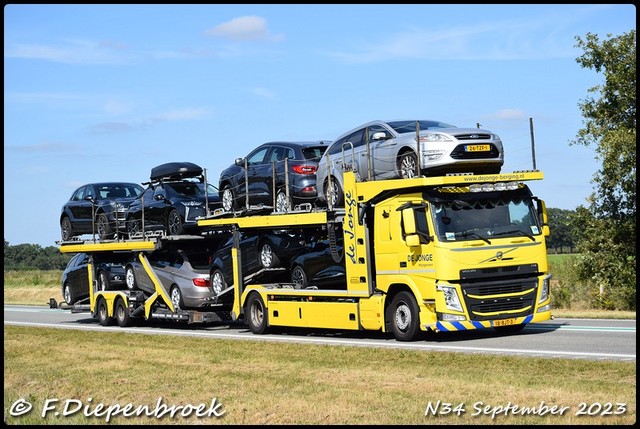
(544, 291)
(451, 298)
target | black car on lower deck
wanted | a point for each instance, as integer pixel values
(175, 198)
(97, 208)
(258, 251)
(320, 266)
(109, 274)
(262, 165)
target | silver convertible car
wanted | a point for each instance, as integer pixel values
(184, 273)
(391, 153)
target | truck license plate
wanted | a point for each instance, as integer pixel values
(477, 148)
(504, 322)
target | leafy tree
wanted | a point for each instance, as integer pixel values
(562, 231)
(608, 239)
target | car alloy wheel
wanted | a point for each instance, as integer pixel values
(227, 199)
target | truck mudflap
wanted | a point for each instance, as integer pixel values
(467, 325)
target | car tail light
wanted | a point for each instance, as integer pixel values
(201, 282)
(304, 169)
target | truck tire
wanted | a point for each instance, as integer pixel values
(405, 317)
(103, 313)
(257, 316)
(123, 317)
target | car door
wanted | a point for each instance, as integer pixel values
(81, 210)
(383, 154)
(259, 172)
(78, 276)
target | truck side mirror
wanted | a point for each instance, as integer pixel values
(408, 221)
(412, 240)
(542, 216)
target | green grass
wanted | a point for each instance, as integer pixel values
(278, 383)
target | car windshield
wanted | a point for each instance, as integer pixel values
(186, 189)
(119, 190)
(402, 127)
(313, 153)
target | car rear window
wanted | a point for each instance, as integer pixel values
(313, 153)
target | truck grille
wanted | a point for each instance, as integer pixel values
(487, 297)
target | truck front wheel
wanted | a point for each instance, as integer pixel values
(257, 314)
(405, 317)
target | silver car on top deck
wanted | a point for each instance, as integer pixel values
(392, 153)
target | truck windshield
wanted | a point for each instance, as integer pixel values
(474, 217)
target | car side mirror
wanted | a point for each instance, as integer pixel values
(380, 135)
(239, 162)
(159, 197)
(90, 199)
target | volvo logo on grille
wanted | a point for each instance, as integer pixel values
(499, 255)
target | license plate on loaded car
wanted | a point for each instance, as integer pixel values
(477, 148)
(504, 322)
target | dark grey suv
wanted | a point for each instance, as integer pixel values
(98, 208)
(262, 165)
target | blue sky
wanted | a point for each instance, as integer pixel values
(106, 92)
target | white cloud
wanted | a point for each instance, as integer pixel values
(73, 52)
(245, 28)
(264, 93)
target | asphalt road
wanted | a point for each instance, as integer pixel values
(596, 339)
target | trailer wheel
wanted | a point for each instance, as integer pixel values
(122, 314)
(257, 314)
(103, 314)
(405, 317)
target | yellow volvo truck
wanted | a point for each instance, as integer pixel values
(448, 253)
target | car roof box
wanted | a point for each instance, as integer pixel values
(175, 171)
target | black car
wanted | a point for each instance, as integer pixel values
(109, 273)
(320, 266)
(257, 251)
(173, 201)
(98, 208)
(302, 160)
